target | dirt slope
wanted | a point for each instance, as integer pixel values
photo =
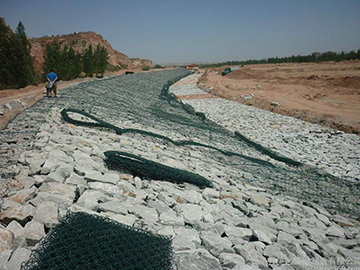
(80, 42)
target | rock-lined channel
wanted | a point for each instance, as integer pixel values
(51, 167)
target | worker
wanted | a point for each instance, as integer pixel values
(51, 84)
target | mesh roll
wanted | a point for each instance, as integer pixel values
(83, 241)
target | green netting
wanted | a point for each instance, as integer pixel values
(141, 105)
(139, 166)
(82, 241)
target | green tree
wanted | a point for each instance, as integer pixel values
(16, 65)
(88, 62)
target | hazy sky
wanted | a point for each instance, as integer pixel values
(180, 31)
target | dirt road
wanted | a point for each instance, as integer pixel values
(323, 93)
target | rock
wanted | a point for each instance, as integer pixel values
(108, 189)
(111, 178)
(199, 259)
(138, 182)
(5, 256)
(6, 239)
(47, 214)
(190, 212)
(59, 156)
(160, 206)
(251, 255)
(181, 243)
(149, 214)
(75, 179)
(231, 260)
(127, 220)
(167, 199)
(34, 164)
(261, 236)
(23, 196)
(20, 213)
(208, 218)
(261, 201)
(59, 188)
(15, 228)
(237, 232)
(114, 206)
(8, 106)
(244, 267)
(126, 186)
(241, 205)
(210, 193)
(55, 177)
(216, 244)
(285, 238)
(278, 252)
(18, 257)
(335, 231)
(190, 234)
(169, 218)
(62, 201)
(90, 199)
(33, 232)
(49, 166)
(191, 196)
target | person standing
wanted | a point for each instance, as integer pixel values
(51, 84)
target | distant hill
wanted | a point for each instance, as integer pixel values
(80, 42)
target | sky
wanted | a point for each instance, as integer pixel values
(184, 31)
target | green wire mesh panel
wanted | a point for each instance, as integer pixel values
(82, 241)
(144, 168)
(141, 104)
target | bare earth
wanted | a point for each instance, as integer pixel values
(323, 93)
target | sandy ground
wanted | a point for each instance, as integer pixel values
(323, 93)
(14, 101)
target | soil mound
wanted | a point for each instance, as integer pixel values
(243, 74)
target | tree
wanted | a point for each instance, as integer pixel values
(16, 65)
(88, 62)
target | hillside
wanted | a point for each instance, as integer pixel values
(80, 42)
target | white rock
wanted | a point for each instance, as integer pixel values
(5, 256)
(90, 199)
(262, 237)
(33, 232)
(55, 177)
(114, 206)
(18, 257)
(199, 259)
(47, 214)
(20, 213)
(210, 193)
(15, 228)
(62, 201)
(149, 214)
(169, 217)
(231, 260)
(127, 220)
(243, 233)
(190, 212)
(6, 237)
(251, 255)
(216, 244)
(190, 234)
(59, 188)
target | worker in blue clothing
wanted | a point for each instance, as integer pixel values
(51, 84)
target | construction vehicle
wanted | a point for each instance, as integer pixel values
(229, 70)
